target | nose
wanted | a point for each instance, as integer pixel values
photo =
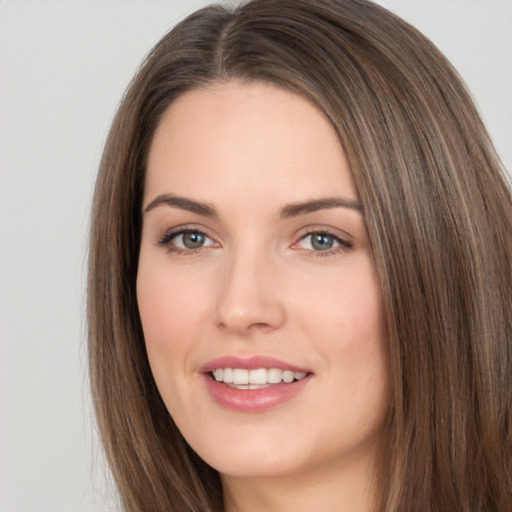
(250, 296)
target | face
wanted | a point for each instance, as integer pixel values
(256, 287)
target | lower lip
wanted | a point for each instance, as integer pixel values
(253, 400)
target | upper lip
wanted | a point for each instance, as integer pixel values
(250, 363)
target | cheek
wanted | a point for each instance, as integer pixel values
(348, 308)
(156, 304)
(169, 312)
(169, 308)
(348, 326)
(169, 303)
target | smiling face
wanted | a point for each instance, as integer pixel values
(257, 292)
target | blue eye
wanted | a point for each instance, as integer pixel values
(186, 240)
(190, 239)
(320, 241)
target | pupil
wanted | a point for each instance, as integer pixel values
(193, 240)
(322, 242)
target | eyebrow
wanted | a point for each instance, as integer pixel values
(183, 203)
(288, 211)
(302, 208)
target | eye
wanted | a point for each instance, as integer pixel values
(322, 242)
(186, 240)
(190, 240)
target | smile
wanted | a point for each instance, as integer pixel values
(254, 384)
(241, 378)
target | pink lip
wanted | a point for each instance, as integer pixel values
(252, 400)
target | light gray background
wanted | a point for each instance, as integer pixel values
(63, 67)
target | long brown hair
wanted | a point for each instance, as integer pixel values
(438, 211)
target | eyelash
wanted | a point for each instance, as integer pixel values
(166, 242)
(343, 246)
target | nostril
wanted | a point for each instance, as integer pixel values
(260, 326)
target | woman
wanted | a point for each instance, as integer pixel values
(300, 272)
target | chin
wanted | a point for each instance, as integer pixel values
(259, 457)
(256, 466)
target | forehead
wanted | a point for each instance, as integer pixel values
(246, 140)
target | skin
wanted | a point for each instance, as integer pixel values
(259, 286)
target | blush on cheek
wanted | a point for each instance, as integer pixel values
(152, 310)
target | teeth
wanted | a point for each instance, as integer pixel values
(259, 377)
(288, 376)
(240, 376)
(227, 376)
(274, 376)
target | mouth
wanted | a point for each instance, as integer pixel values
(259, 378)
(255, 384)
